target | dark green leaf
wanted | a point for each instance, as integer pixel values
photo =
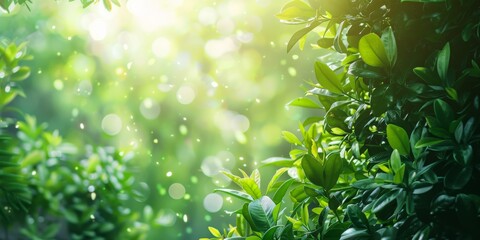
(282, 190)
(457, 177)
(261, 212)
(442, 61)
(313, 169)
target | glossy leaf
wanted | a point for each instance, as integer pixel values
(237, 194)
(443, 60)
(395, 161)
(275, 177)
(299, 34)
(398, 139)
(291, 138)
(390, 44)
(250, 186)
(327, 78)
(313, 169)
(261, 212)
(303, 102)
(372, 51)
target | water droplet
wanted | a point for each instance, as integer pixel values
(82, 126)
(169, 174)
(185, 218)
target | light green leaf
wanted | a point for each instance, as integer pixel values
(395, 161)
(327, 78)
(215, 232)
(398, 139)
(303, 102)
(372, 51)
(291, 138)
(250, 186)
(275, 177)
(299, 34)
(278, 162)
(442, 61)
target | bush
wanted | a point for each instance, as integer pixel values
(393, 151)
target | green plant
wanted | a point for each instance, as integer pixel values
(394, 149)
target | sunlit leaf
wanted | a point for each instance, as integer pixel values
(398, 139)
(372, 51)
(327, 78)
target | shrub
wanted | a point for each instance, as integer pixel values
(393, 151)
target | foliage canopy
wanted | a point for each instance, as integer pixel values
(393, 149)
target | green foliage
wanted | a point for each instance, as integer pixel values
(396, 153)
(6, 4)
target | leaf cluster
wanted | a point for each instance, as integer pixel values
(394, 149)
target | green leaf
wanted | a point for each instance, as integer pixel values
(357, 217)
(215, 232)
(107, 4)
(282, 190)
(428, 141)
(291, 138)
(452, 93)
(261, 211)
(372, 51)
(457, 177)
(21, 74)
(355, 234)
(296, 12)
(388, 39)
(399, 174)
(333, 167)
(383, 201)
(240, 195)
(327, 78)
(275, 177)
(303, 102)
(313, 169)
(395, 161)
(278, 162)
(443, 112)
(443, 61)
(250, 186)
(427, 75)
(398, 139)
(299, 34)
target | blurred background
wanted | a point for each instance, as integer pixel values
(191, 87)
